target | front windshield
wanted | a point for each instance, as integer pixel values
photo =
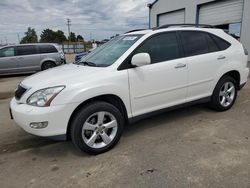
(109, 52)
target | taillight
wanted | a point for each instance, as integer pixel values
(245, 50)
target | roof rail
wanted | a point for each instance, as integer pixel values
(185, 25)
(134, 30)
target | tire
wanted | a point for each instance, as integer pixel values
(222, 99)
(48, 65)
(95, 121)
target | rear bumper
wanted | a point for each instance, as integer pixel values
(244, 76)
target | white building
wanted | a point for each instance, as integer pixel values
(232, 15)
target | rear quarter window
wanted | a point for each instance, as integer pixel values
(47, 49)
(221, 43)
(212, 46)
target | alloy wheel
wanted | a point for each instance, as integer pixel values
(99, 130)
(227, 94)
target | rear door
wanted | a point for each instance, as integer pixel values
(204, 56)
(28, 58)
(49, 52)
(8, 61)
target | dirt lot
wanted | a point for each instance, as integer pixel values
(189, 147)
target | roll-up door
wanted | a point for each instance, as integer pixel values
(175, 17)
(221, 12)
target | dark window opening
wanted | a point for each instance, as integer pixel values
(222, 44)
(26, 50)
(161, 47)
(195, 43)
(47, 49)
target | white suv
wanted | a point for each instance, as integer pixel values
(134, 75)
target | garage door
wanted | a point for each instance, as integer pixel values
(176, 17)
(222, 12)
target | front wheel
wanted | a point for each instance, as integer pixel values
(97, 128)
(224, 94)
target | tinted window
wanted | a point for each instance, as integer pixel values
(195, 43)
(162, 47)
(222, 44)
(26, 50)
(47, 49)
(212, 46)
(7, 52)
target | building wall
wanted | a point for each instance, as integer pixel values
(245, 29)
(163, 6)
(191, 7)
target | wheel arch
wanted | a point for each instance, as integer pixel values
(47, 60)
(235, 75)
(109, 98)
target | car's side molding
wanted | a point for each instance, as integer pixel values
(143, 116)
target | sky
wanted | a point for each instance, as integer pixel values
(93, 19)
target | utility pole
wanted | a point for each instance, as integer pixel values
(68, 24)
(6, 40)
(18, 37)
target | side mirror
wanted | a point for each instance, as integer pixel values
(141, 59)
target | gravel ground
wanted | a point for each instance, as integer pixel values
(188, 147)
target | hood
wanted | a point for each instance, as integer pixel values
(62, 75)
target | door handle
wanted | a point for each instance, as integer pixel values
(13, 58)
(180, 65)
(20, 57)
(221, 57)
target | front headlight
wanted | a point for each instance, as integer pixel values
(44, 97)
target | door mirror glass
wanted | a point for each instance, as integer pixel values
(141, 59)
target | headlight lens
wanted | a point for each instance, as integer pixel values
(44, 97)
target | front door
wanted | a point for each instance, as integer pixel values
(163, 83)
(8, 61)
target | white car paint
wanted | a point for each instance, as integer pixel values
(142, 89)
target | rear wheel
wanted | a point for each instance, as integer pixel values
(224, 94)
(97, 128)
(48, 65)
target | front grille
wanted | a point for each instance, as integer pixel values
(19, 92)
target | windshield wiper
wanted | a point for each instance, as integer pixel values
(88, 63)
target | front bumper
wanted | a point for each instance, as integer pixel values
(56, 116)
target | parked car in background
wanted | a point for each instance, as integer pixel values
(28, 58)
(132, 76)
(80, 55)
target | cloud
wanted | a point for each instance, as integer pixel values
(97, 18)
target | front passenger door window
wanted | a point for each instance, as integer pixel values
(161, 47)
(7, 52)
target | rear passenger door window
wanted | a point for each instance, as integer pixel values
(195, 43)
(161, 47)
(26, 50)
(43, 49)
